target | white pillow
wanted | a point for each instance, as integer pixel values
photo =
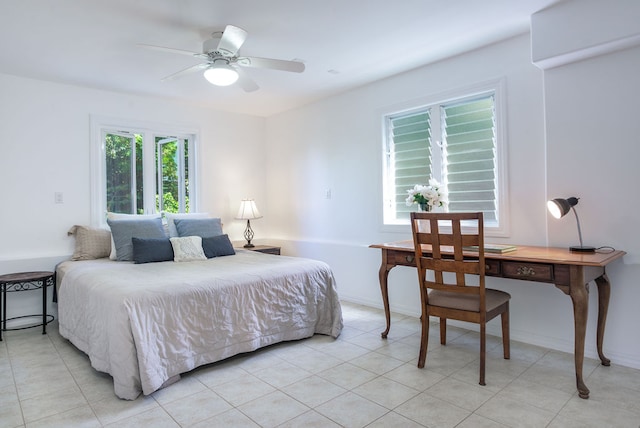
(121, 216)
(173, 216)
(187, 249)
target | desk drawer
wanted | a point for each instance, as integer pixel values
(529, 271)
(402, 258)
(492, 267)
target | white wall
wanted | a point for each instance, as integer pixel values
(593, 145)
(593, 149)
(45, 146)
(336, 144)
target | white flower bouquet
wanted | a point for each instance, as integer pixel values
(426, 196)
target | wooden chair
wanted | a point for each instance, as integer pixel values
(439, 241)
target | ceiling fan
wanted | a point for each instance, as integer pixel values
(223, 64)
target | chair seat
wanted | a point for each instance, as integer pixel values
(467, 302)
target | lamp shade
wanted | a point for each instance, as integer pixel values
(560, 207)
(248, 210)
(221, 74)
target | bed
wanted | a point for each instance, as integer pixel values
(145, 324)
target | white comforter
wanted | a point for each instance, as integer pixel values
(145, 324)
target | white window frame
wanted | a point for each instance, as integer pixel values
(498, 88)
(181, 168)
(149, 130)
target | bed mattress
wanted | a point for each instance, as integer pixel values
(144, 324)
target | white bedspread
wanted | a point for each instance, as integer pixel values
(147, 323)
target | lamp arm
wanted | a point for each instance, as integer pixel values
(578, 223)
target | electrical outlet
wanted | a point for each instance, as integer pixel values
(58, 198)
(327, 194)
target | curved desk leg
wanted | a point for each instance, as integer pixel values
(579, 293)
(383, 275)
(604, 291)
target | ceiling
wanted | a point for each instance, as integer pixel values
(343, 43)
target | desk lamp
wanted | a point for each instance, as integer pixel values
(248, 211)
(558, 208)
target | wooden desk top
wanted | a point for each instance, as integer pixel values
(526, 253)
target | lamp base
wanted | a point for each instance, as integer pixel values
(582, 249)
(248, 235)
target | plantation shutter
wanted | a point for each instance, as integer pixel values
(469, 141)
(410, 156)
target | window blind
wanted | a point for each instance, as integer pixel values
(469, 142)
(410, 153)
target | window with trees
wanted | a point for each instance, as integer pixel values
(457, 142)
(139, 170)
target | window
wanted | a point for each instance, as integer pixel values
(123, 166)
(456, 142)
(141, 170)
(172, 171)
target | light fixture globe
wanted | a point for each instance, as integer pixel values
(221, 74)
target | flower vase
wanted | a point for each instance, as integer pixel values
(424, 207)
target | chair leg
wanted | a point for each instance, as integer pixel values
(443, 331)
(483, 351)
(424, 341)
(506, 341)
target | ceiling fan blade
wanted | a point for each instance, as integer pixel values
(187, 70)
(172, 50)
(274, 64)
(231, 40)
(246, 82)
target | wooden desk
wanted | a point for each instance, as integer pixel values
(568, 271)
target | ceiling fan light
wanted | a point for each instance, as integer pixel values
(221, 75)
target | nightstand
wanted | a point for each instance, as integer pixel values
(267, 249)
(25, 281)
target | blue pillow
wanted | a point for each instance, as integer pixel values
(123, 231)
(216, 246)
(202, 227)
(150, 250)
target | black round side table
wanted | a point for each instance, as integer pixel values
(23, 281)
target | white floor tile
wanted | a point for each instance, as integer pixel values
(386, 392)
(273, 409)
(351, 410)
(313, 391)
(196, 407)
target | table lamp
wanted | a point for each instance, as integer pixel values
(248, 211)
(558, 208)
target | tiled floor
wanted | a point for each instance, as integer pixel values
(358, 380)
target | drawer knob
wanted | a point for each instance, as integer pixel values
(409, 259)
(526, 271)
